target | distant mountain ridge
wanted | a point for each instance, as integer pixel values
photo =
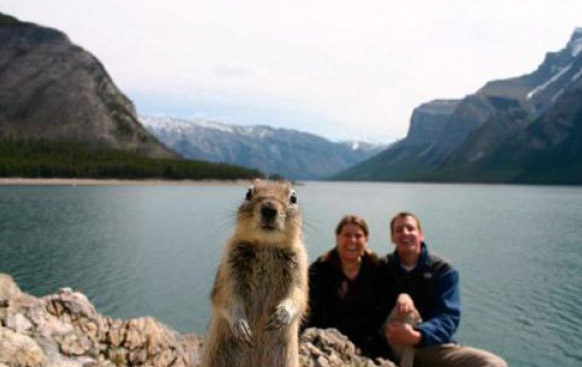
(54, 90)
(289, 153)
(525, 129)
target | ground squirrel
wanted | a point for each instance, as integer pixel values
(404, 353)
(261, 289)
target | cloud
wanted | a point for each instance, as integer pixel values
(347, 68)
(224, 71)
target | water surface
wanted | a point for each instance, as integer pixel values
(153, 250)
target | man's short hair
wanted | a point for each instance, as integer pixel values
(403, 215)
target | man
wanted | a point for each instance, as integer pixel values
(432, 285)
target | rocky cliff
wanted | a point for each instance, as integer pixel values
(54, 90)
(524, 129)
(429, 121)
(65, 330)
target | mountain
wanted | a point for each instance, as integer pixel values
(526, 129)
(61, 115)
(289, 153)
(53, 90)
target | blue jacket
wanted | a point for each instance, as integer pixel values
(434, 288)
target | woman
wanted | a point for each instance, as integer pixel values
(342, 287)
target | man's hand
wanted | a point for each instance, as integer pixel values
(402, 333)
(404, 304)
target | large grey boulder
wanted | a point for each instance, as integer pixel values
(65, 330)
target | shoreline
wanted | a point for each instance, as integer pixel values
(19, 181)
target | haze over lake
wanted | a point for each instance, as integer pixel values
(153, 250)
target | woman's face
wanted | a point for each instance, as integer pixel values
(351, 242)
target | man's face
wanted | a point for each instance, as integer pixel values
(406, 236)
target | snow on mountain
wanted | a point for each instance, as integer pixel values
(542, 86)
(173, 123)
(213, 125)
(553, 77)
(289, 153)
(521, 129)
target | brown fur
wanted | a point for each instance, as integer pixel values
(260, 290)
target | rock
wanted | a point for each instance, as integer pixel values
(65, 330)
(20, 350)
(11, 298)
(138, 356)
(118, 356)
(330, 348)
(18, 323)
(74, 344)
(193, 345)
(8, 289)
(116, 332)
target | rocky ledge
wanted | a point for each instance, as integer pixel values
(65, 330)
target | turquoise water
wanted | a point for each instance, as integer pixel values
(153, 250)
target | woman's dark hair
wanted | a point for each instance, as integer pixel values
(352, 219)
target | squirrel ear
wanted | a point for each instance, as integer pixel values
(249, 194)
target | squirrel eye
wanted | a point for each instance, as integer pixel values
(249, 194)
(293, 198)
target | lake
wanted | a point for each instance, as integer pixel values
(153, 250)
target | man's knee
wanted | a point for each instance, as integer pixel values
(454, 355)
(483, 358)
(496, 361)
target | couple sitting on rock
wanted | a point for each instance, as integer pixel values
(405, 306)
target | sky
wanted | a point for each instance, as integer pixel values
(340, 69)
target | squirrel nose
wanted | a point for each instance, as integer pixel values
(268, 212)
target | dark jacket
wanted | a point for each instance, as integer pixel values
(434, 288)
(351, 306)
